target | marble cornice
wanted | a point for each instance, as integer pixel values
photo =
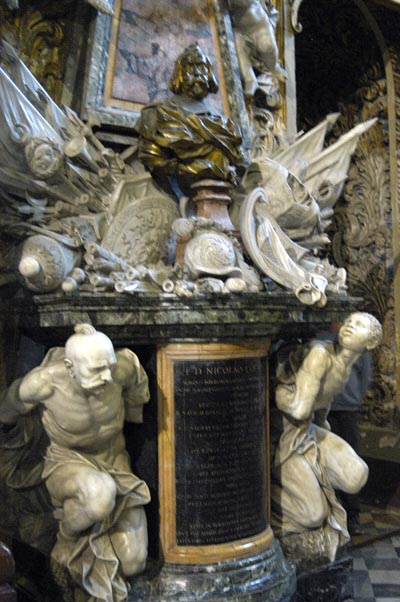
(159, 319)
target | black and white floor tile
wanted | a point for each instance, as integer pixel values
(376, 557)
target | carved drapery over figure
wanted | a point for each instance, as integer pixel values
(84, 392)
(309, 461)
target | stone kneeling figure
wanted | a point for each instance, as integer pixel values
(309, 461)
(85, 391)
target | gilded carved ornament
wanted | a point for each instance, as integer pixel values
(104, 6)
(294, 15)
(39, 35)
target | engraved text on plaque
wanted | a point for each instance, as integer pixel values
(220, 449)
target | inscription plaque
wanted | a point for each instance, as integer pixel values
(220, 450)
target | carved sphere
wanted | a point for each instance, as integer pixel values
(29, 267)
(182, 226)
(236, 285)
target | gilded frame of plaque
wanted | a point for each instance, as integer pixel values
(132, 55)
(215, 355)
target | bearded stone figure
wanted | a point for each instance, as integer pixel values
(84, 392)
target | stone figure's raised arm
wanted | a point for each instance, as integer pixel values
(24, 395)
(135, 385)
(299, 401)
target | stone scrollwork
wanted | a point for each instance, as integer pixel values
(72, 191)
(294, 15)
(87, 220)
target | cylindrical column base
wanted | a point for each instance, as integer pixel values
(265, 577)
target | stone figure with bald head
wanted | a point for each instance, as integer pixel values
(85, 391)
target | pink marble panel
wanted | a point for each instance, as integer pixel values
(150, 37)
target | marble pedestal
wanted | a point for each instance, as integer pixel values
(216, 540)
(264, 577)
(208, 551)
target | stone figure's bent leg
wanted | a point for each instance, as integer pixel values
(346, 470)
(129, 538)
(297, 495)
(84, 494)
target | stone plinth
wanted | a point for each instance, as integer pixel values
(328, 583)
(147, 319)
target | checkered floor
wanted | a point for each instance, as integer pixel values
(376, 557)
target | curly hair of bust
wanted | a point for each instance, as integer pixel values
(375, 329)
(192, 52)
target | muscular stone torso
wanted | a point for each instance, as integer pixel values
(78, 421)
